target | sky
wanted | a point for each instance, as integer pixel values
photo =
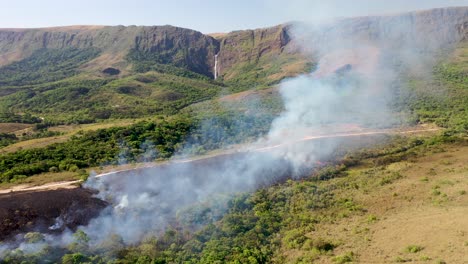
(207, 16)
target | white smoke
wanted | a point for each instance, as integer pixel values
(352, 87)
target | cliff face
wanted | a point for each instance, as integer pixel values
(159, 44)
(181, 47)
(266, 51)
(249, 46)
(89, 72)
(428, 29)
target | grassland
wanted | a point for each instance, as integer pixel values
(65, 133)
(403, 202)
(407, 211)
(441, 100)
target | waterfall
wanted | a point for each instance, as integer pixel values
(216, 67)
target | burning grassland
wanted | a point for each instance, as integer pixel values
(357, 82)
(46, 211)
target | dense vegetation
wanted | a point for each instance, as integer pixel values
(265, 72)
(68, 86)
(209, 126)
(172, 62)
(261, 227)
(15, 118)
(7, 139)
(79, 100)
(258, 227)
(45, 65)
(440, 98)
(142, 142)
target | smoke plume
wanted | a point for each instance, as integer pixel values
(353, 85)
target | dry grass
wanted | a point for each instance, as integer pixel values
(34, 143)
(13, 127)
(217, 35)
(114, 59)
(68, 130)
(426, 206)
(289, 70)
(41, 179)
(460, 57)
(237, 97)
(95, 126)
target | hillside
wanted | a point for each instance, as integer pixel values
(87, 74)
(125, 72)
(333, 143)
(74, 75)
(119, 72)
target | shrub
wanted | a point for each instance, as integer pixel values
(74, 258)
(319, 244)
(413, 248)
(345, 258)
(53, 169)
(33, 237)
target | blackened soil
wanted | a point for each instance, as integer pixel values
(39, 210)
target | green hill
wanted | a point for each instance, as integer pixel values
(78, 75)
(148, 93)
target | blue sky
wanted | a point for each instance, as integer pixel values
(204, 15)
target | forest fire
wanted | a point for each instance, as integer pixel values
(53, 211)
(38, 210)
(345, 104)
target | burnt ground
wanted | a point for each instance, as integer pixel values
(28, 211)
(39, 210)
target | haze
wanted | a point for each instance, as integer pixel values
(206, 15)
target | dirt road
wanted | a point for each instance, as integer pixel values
(74, 184)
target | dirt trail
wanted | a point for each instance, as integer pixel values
(74, 184)
(48, 186)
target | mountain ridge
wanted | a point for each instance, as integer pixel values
(77, 59)
(19, 43)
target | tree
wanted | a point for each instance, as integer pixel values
(80, 243)
(74, 258)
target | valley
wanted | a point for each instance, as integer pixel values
(341, 142)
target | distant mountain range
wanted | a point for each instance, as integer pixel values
(116, 71)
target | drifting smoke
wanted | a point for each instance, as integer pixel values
(352, 85)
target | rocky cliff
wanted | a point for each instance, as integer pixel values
(428, 29)
(266, 52)
(173, 45)
(248, 46)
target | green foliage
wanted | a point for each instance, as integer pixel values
(7, 139)
(390, 178)
(75, 258)
(82, 100)
(147, 66)
(330, 172)
(265, 72)
(259, 227)
(141, 142)
(345, 258)
(252, 230)
(33, 237)
(45, 65)
(80, 243)
(443, 99)
(173, 61)
(8, 117)
(97, 148)
(413, 248)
